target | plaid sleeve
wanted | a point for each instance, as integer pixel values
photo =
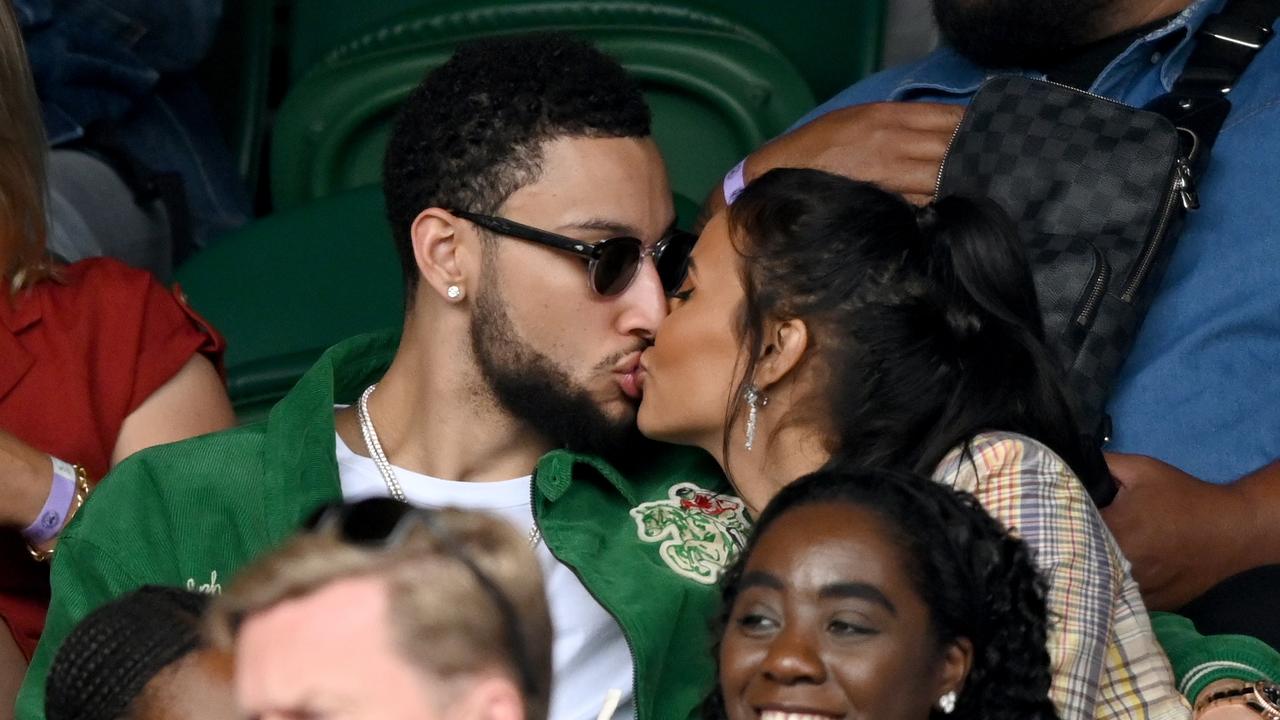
(1034, 494)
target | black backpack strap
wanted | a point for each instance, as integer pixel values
(1225, 45)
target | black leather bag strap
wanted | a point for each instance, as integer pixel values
(1225, 45)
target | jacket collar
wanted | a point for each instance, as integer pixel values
(300, 451)
(300, 447)
(946, 71)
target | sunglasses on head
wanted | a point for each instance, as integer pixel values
(611, 264)
(383, 524)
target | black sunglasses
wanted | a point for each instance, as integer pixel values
(382, 523)
(611, 264)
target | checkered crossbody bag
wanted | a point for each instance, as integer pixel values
(1098, 190)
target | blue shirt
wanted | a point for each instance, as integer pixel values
(1201, 388)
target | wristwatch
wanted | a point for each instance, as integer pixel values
(1262, 696)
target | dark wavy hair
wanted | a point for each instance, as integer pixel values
(978, 581)
(472, 132)
(924, 321)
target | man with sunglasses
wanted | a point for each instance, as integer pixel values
(535, 226)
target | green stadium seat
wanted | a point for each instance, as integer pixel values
(236, 74)
(716, 89)
(834, 43)
(284, 288)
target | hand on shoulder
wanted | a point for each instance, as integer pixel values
(897, 145)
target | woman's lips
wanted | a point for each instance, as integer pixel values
(769, 714)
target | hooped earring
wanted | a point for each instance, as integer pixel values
(755, 400)
(947, 703)
(454, 292)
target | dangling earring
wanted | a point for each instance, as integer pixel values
(755, 400)
(454, 292)
(947, 703)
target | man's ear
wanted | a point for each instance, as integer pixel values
(490, 698)
(957, 659)
(444, 259)
(785, 343)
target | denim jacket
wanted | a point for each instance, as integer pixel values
(1199, 388)
(127, 62)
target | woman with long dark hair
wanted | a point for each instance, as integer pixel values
(882, 594)
(824, 319)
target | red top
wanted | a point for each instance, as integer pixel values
(76, 358)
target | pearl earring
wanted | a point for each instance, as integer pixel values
(947, 703)
(755, 400)
(454, 292)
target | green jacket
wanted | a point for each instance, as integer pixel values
(1199, 660)
(648, 544)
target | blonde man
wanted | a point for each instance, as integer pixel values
(385, 611)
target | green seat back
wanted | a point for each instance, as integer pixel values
(716, 91)
(834, 43)
(284, 288)
(236, 74)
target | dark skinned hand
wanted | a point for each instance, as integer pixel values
(899, 146)
(1179, 532)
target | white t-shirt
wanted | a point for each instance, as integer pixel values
(590, 654)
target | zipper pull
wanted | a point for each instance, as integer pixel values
(1185, 184)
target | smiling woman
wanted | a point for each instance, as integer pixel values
(882, 595)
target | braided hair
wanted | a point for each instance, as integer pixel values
(105, 663)
(978, 581)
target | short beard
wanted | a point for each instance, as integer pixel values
(1018, 33)
(530, 386)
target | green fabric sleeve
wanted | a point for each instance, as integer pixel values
(84, 577)
(1199, 660)
(100, 555)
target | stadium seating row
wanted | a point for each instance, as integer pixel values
(721, 77)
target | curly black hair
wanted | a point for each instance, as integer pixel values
(472, 132)
(103, 666)
(978, 581)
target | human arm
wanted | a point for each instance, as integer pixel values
(121, 539)
(13, 665)
(1183, 535)
(1202, 664)
(899, 146)
(190, 403)
(25, 474)
(1032, 492)
(193, 402)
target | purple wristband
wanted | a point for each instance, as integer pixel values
(735, 182)
(54, 513)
